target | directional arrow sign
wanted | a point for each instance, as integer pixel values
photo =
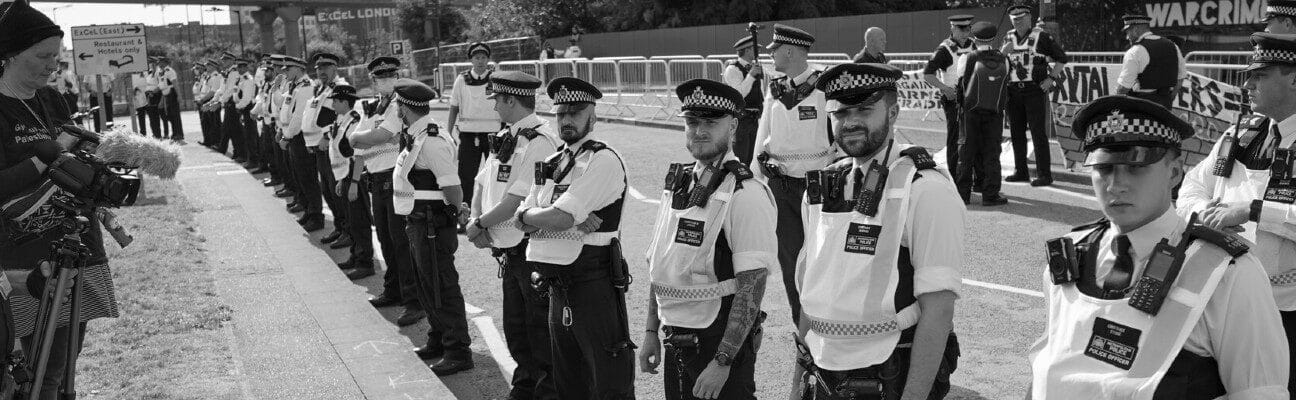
(109, 49)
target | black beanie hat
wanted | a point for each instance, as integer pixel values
(23, 27)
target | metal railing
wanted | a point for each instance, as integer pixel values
(1218, 57)
(1097, 57)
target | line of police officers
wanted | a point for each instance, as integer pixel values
(1153, 301)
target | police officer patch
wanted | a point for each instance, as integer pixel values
(1113, 343)
(689, 232)
(862, 238)
(503, 174)
(558, 192)
(807, 112)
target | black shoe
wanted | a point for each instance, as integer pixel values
(331, 237)
(994, 200)
(270, 182)
(381, 301)
(360, 273)
(451, 367)
(428, 352)
(313, 225)
(258, 170)
(284, 193)
(1017, 177)
(346, 265)
(342, 243)
(410, 317)
(296, 208)
(239, 160)
(1042, 181)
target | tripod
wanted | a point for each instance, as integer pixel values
(69, 256)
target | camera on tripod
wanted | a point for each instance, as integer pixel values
(93, 181)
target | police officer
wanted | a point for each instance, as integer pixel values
(378, 142)
(1280, 16)
(896, 339)
(318, 117)
(1119, 326)
(347, 172)
(200, 96)
(1240, 186)
(981, 100)
(747, 76)
(1029, 51)
(302, 161)
(504, 181)
(1153, 65)
(266, 79)
(243, 97)
(712, 252)
(426, 190)
(274, 106)
(231, 129)
(940, 73)
(472, 114)
(167, 81)
(573, 216)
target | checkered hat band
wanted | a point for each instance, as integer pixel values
(709, 101)
(1284, 10)
(791, 40)
(409, 102)
(1132, 127)
(1284, 279)
(844, 329)
(506, 89)
(572, 97)
(852, 81)
(706, 292)
(1267, 55)
(1138, 20)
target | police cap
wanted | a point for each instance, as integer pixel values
(983, 30)
(344, 92)
(1276, 8)
(413, 93)
(853, 84)
(514, 83)
(784, 34)
(961, 20)
(322, 59)
(384, 64)
(1126, 130)
(705, 98)
(569, 93)
(479, 47)
(1132, 20)
(1272, 49)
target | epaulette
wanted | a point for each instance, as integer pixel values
(1230, 242)
(432, 129)
(528, 133)
(594, 145)
(370, 107)
(739, 171)
(921, 158)
(841, 164)
(1253, 121)
(1090, 225)
(553, 158)
(355, 114)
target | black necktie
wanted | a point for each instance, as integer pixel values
(1123, 269)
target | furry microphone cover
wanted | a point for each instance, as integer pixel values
(150, 155)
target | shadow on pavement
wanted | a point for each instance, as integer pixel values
(1065, 214)
(961, 393)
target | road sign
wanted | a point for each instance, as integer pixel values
(403, 50)
(109, 49)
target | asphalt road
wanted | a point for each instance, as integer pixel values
(996, 324)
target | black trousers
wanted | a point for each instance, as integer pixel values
(745, 137)
(210, 121)
(896, 371)
(336, 204)
(398, 281)
(360, 227)
(472, 147)
(683, 365)
(1289, 325)
(173, 114)
(282, 163)
(268, 147)
(593, 357)
(526, 327)
(107, 102)
(307, 177)
(1028, 106)
(982, 142)
(231, 132)
(251, 138)
(151, 112)
(954, 133)
(787, 198)
(433, 241)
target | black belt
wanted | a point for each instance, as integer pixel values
(1023, 85)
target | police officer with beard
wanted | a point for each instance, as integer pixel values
(573, 216)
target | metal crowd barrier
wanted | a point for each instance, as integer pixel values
(1218, 57)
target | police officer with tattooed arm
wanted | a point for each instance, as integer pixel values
(713, 248)
(879, 274)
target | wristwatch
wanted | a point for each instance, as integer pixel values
(723, 359)
(477, 223)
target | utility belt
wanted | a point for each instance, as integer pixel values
(379, 181)
(771, 164)
(594, 263)
(884, 381)
(437, 214)
(1162, 91)
(503, 255)
(685, 339)
(1026, 85)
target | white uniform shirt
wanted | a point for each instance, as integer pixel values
(476, 112)
(246, 91)
(519, 176)
(294, 107)
(1137, 58)
(1275, 235)
(437, 155)
(167, 80)
(736, 79)
(1239, 327)
(601, 183)
(139, 85)
(795, 138)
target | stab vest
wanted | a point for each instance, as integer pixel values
(1162, 70)
(553, 177)
(755, 97)
(410, 185)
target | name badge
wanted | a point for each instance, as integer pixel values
(807, 112)
(862, 238)
(558, 192)
(504, 172)
(1113, 343)
(689, 232)
(1281, 190)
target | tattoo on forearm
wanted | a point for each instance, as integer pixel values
(745, 310)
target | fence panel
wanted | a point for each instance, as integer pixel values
(1219, 57)
(681, 71)
(1232, 74)
(550, 69)
(1096, 57)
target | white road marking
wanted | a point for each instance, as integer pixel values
(1005, 288)
(196, 167)
(495, 343)
(471, 309)
(230, 172)
(640, 196)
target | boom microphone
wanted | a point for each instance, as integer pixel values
(123, 147)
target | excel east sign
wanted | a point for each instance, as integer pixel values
(109, 49)
(1204, 13)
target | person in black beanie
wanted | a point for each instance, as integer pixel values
(30, 116)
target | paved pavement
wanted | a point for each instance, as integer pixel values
(286, 291)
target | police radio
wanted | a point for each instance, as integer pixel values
(504, 146)
(869, 194)
(1224, 159)
(542, 172)
(707, 183)
(814, 186)
(1062, 264)
(1162, 268)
